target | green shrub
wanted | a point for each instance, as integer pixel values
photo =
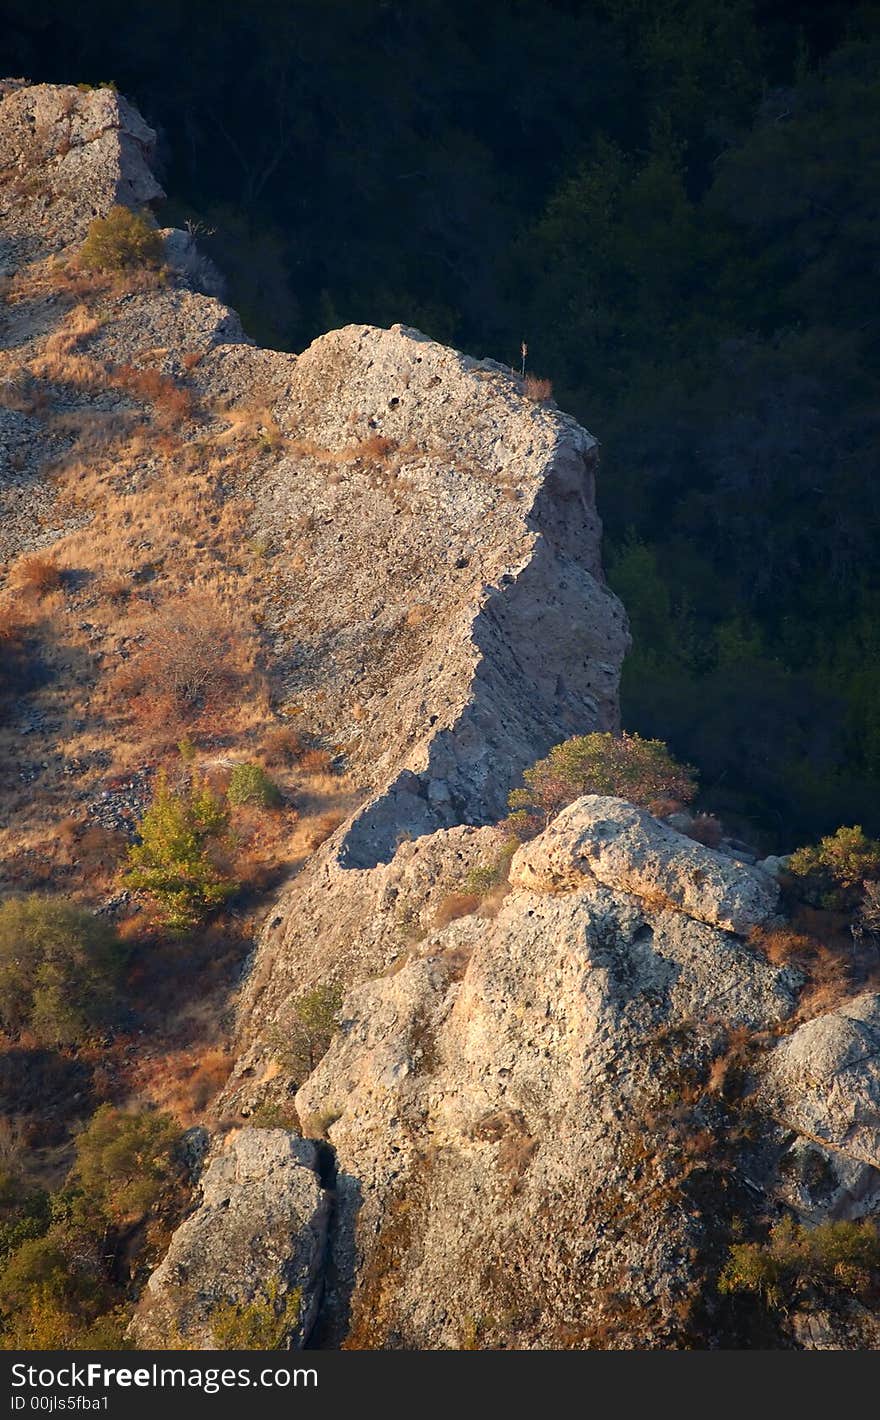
(833, 872)
(121, 241)
(315, 1018)
(626, 766)
(125, 1162)
(265, 1324)
(250, 784)
(840, 1255)
(24, 1215)
(59, 970)
(51, 1300)
(172, 862)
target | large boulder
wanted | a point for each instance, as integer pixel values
(611, 842)
(255, 1240)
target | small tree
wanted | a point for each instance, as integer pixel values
(60, 969)
(315, 1018)
(833, 872)
(125, 1162)
(121, 241)
(840, 1255)
(626, 766)
(47, 1301)
(172, 862)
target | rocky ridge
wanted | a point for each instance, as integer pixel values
(534, 1142)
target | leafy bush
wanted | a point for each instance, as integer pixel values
(121, 241)
(626, 766)
(125, 1162)
(265, 1324)
(840, 1255)
(832, 872)
(24, 1214)
(172, 862)
(46, 1300)
(250, 784)
(59, 970)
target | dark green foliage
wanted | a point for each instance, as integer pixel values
(59, 970)
(24, 1214)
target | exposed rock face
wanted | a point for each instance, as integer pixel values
(68, 155)
(825, 1079)
(440, 609)
(496, 1180)
(823, 1083)
(625, 848)
(261, 1221)
(531, 1149)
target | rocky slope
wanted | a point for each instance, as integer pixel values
(548, 1111)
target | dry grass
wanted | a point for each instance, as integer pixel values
(316, 831)
(13, 626)
(193, 661)
(116, 588)
(537, 389)
(184, 1082)
(455, 905)
(822, 950)
(172, 403)
(316, 761)
(283, 745)
(37, 574)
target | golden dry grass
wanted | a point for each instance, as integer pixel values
(536, 388)
(37, 573)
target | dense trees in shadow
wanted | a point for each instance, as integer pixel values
(674, 202)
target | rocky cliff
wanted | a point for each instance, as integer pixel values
(553, 1104)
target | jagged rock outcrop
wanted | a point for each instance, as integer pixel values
(512, 1169)
(528, 1097)
(439, 605)
(68, 154)
(256, 1238)
(625, 848)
